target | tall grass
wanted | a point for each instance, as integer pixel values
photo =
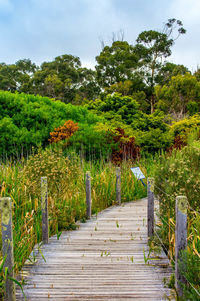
(178, 174)
(66, 194)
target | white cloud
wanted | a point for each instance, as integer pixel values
(44, 29)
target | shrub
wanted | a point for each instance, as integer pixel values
(183, 130)
(125, 147)
(63, 132)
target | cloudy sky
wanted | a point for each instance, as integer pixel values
(43, 29)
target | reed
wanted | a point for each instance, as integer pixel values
(66, 194)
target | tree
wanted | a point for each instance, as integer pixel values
(87, 87)
(65, 79)
(168, 70)
(153, 47)
(25, 72)
(116, 63)
(17, 77)
(180, 95)
(59, 78)
(53, 85)
(127, 87)
(8, 75)
(197, 74)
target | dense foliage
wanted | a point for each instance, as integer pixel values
(27, 120)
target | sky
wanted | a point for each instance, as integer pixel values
(43, 29)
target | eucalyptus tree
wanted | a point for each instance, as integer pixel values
(17, 77)
(154, 47)
(116, 63)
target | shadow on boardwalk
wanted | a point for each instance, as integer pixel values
(103, 260)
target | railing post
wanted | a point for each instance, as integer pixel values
(44, 204)
(180, 239)
(7, 241)
(118, 186)
(150, 210)
(88, 195)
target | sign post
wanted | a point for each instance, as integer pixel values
(138, 174)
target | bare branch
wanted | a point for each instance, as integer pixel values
(102, 42)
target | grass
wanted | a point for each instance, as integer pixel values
(66, 194)
(178, 174)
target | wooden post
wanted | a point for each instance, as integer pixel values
(44, 203)
(180, 239)
(118, 186)
(88, 195)
(7, 241)
(150, 210)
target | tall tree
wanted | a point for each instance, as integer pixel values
(65, 79)
(58, 78)
(180, 95)
(17, 77)
(8, 75)
(153, 47)
(168, 70)
(88, 87)
(116, 63)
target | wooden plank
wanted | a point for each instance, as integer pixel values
(102, 260)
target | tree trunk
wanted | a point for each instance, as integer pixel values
(152, 104)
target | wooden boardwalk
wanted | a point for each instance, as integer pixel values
(102, 260)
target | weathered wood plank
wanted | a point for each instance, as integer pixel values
(102, 260)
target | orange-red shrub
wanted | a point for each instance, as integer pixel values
(63, 132)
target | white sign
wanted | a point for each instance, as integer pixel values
(137, 173)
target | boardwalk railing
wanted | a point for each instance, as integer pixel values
(181, 208)
(7, 233)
